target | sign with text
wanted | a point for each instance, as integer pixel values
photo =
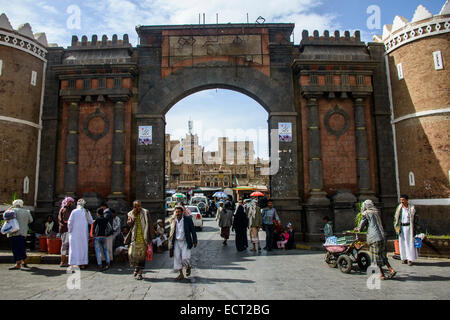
(145, 135)
(285, 131)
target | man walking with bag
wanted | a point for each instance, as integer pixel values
(17, 238)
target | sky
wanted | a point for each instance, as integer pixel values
(223, 109)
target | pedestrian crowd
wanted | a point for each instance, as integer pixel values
(135, 241)
(249, 216)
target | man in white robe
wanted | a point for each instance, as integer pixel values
(78, 226)
(181, 240)
(405, 224)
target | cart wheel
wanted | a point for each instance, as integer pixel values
(345, 263)
(330, 260)
(363, 261)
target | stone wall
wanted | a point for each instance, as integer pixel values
(422, 142)
(19, 101)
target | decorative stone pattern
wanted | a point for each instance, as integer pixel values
(96, 114)
(413, 32)
(333, 130)
(21, 43)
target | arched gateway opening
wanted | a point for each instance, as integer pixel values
(250, 60)
(216, 141)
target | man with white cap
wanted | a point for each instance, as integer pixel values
(78, 224)
(17, 238)
(182, 238)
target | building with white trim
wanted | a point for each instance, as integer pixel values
(22, 80)
(418, 56)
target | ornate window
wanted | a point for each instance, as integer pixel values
(412, 182)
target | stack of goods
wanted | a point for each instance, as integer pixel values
(345, 240)
(331, 241)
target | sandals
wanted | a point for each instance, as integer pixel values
(14, 268)
(188, 271)
(135, 272)
(180, 277)
(392, 274)
(139, 276)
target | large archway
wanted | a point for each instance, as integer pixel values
(269, 87)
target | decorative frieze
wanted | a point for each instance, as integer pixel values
(412, 32)
(24, 44)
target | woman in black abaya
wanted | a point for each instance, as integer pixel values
(240, 224)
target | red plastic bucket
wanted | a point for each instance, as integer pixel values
(43, 244)
(54, 245)
(397, 247)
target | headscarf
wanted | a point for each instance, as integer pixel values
(252, 209)
(368, 209)
(17, 203)
(66, 201)
(81, 203)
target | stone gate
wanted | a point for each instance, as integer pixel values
(331, 89)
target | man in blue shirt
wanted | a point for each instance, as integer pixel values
(268, 215)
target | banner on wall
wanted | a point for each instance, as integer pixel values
(145, 135)
(285, 131)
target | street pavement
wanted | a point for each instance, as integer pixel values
(221, 273)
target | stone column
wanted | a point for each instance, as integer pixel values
(150, 163)
(284, 170)
(317, 205)
(117, 196)
(71, 164)
(362, 151)
(318, 196)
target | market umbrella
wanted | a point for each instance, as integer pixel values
(179, 195)
(257, 194)
(220, 194)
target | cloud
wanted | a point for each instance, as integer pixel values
(122, 16)
(40, 15)
(219, 113)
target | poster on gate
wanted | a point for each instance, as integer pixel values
(145, 135)
(285, 131)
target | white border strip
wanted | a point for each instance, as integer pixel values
(38, 153)
(430, 202)
(394, 134)
(21, 44)
(421, 114)
(28, 123)
(413, 32)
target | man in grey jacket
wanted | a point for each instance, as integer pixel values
(17, 238)
(375, 237)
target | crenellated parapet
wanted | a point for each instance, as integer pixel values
(423, 25)
(23, 38)
(333, 65)
(97, 43)
(334, 39)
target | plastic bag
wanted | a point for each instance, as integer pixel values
(149, 254)
(9, 214)
(10, 226)
(417, 243)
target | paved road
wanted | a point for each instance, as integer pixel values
(223, 273)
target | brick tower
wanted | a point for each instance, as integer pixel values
(22, 79)
(418, 55)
